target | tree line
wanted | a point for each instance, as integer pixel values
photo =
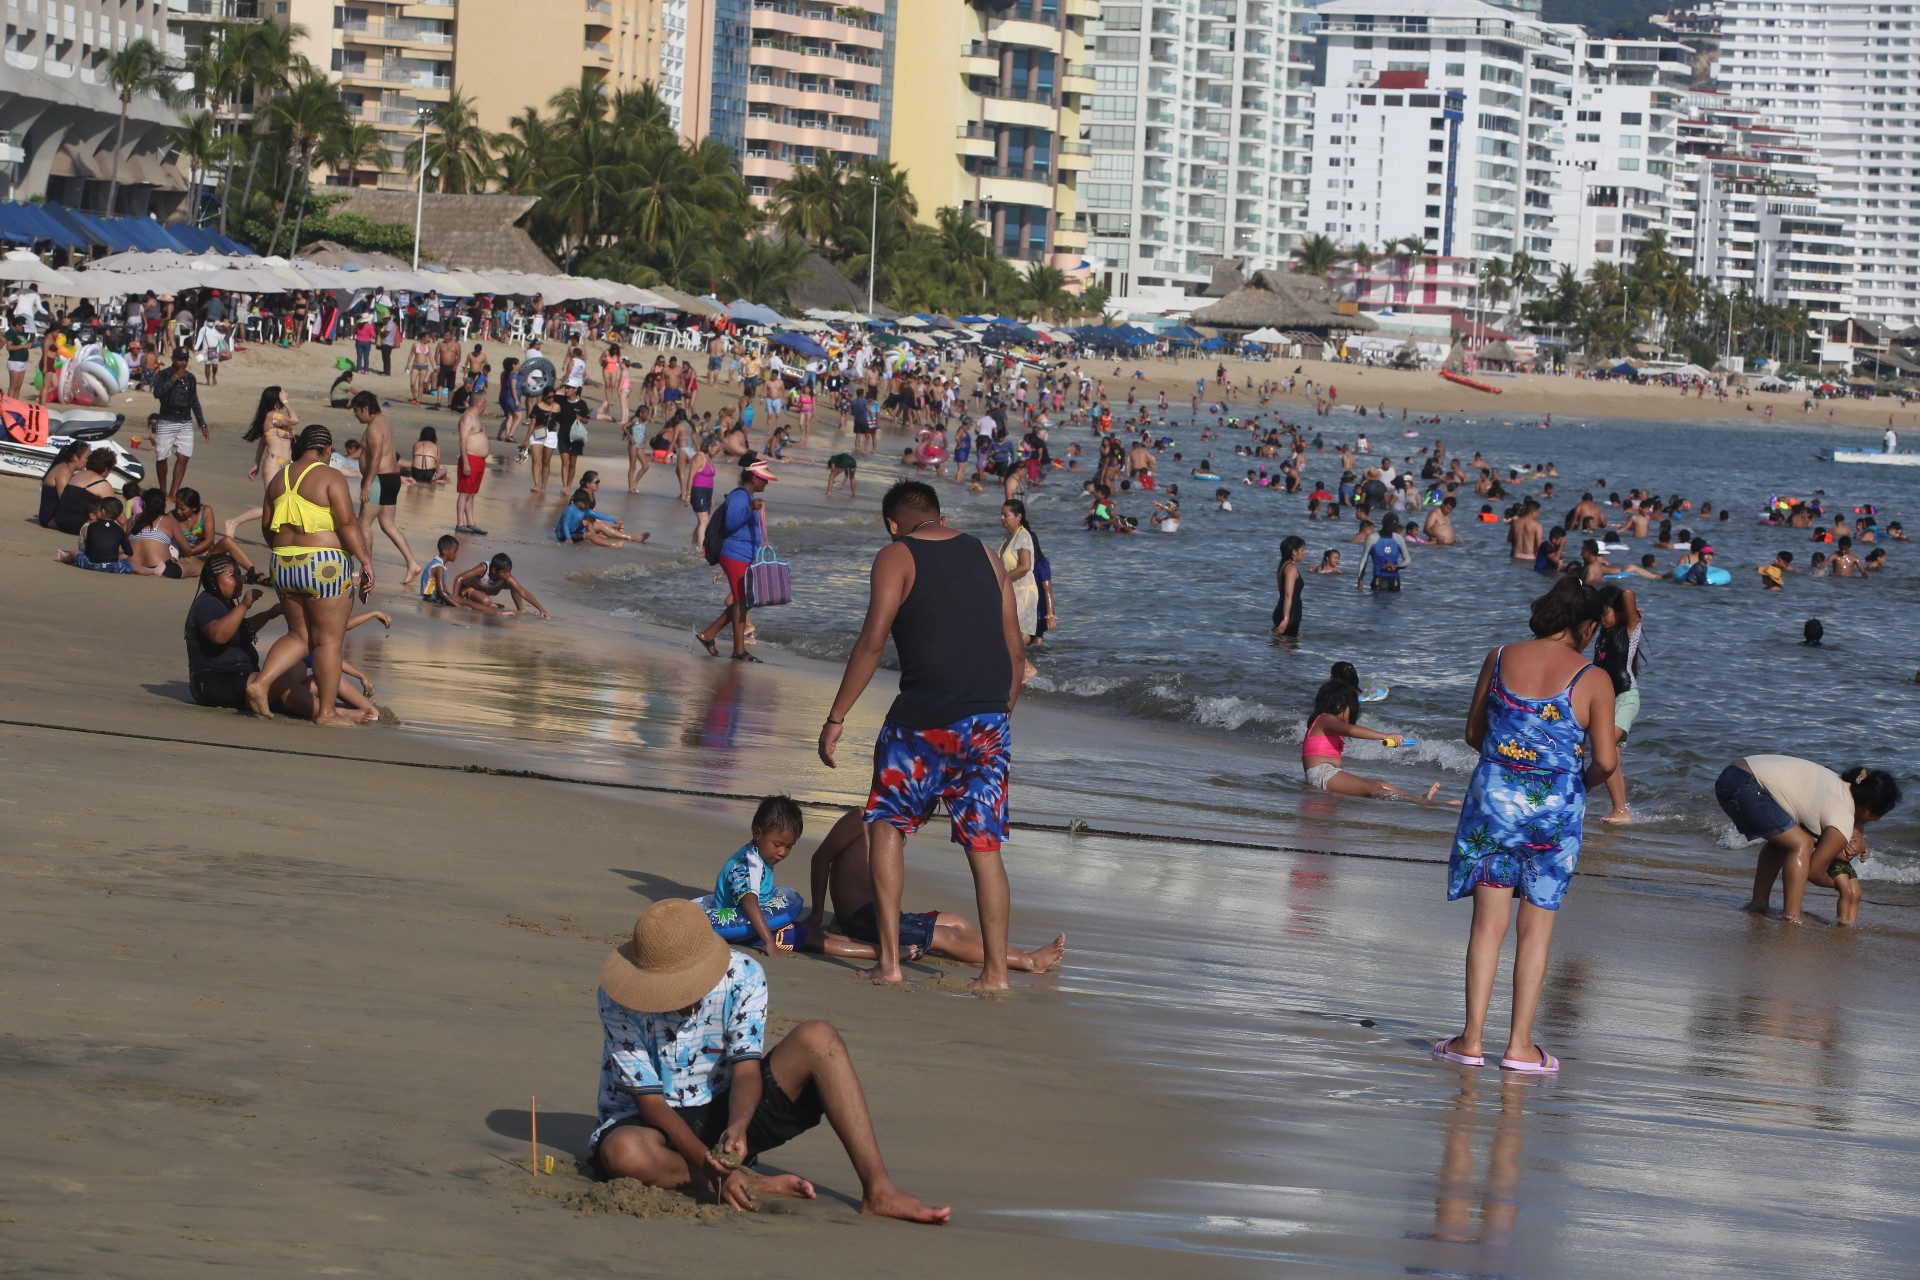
(1652, 302)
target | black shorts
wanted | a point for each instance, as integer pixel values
(219, 689)
(700, 498)
(573, 448)
(445, 380)
(916, 928)
(386, 488)
(777, 1121)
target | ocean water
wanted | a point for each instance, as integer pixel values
(1165, 637)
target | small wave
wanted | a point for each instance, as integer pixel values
(1727, 836)
(1903, 871)
(1084, 687)
(1229, 712)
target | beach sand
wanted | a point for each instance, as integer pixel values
(277, 998)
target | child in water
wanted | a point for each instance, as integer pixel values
(1335, 718)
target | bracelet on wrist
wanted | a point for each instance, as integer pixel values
(831, 720)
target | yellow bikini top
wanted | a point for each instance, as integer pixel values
(290, 508)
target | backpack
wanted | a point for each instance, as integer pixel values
(716, 535)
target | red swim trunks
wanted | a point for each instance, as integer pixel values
(736, 571)
(476, 471)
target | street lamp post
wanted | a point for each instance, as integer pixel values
(420, 192)
(873, 234)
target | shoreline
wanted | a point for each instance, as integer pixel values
(273, 968)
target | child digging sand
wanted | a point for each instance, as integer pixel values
(745, 884)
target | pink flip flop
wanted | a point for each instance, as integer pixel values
(1443, 1050)
(1547, 1065)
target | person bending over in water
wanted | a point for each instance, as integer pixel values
(842, 871)
(1784, 801)
(1335, 718)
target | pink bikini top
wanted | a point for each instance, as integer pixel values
(1320, 744)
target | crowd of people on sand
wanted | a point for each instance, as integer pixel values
(690, 1093)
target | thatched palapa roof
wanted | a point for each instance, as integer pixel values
(480, 233)
(1284, 300)
(1228, 274)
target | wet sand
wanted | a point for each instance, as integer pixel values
(277, 998)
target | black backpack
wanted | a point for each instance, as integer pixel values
(716, 535)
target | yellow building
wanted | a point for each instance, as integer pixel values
(392, 59)
(985, 115)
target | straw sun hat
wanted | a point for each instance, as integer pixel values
(673, 959)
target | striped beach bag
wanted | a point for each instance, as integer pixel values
(767, 582)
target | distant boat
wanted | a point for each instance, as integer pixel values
(1465, 381)
(1873, 457)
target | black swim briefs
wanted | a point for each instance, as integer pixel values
(386, 488)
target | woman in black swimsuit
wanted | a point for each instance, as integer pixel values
(65, 463)
(1286, 614)
(83, 489)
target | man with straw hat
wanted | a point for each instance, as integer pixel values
(689, 1096)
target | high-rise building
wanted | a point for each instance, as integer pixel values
(1438, 120)
(1843, 72)
(59, 117)
(985, 114)
(1617, 169)
(395, 57)
(1751, 214)
(1197, 131)
(783, 82)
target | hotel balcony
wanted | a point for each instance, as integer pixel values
(1027, 35)
(792, 20)
(1028, 190)
(1075, 156)
(820, 137)
(783, 56)
(977, 141)
(1037, 112)
(829, 101)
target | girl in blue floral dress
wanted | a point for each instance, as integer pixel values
(1542, 719)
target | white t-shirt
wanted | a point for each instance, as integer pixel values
(1812, 795)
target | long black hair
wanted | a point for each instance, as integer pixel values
(1336, 698)
(269, 401)
(1019, 509)
(1567, 605)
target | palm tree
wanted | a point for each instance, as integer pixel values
(457, 147)
(1521, 275)
(1362, 259)
(265, 59)
(764, 269)
(642, 109)
(137, 68)
(588, 180)
(350, 148)
(1315, 255)
(1493, 281)
(813, 203)
(197, 139)
(1045, 290)
(216, 86)
(310, 113)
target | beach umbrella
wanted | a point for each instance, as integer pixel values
(798, 344)
(1267, 335)
(27, 268)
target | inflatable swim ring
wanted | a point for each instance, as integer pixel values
(1716, 577)
(1373, 693)
(788, 906)
(1205, 475)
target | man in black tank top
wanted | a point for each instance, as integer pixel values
(945, 600)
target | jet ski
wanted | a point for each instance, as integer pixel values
(32, 435)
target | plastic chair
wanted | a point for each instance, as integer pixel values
(517, 331)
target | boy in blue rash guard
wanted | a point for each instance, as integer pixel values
(745, 882)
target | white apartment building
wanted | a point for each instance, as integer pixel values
(1844, 72)
(59, 116)
(1617, 171)
(1197, 130)
(1442, 120)
(1753, 215)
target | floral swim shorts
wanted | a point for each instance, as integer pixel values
(965, 765)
